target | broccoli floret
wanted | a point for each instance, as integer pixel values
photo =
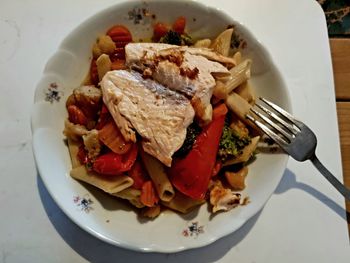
(192, 132)
(171, 37)
(175, 38)
(231, 144)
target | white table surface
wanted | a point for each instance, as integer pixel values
(304, 221)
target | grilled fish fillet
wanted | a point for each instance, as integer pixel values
(159, 115)
(190, 71)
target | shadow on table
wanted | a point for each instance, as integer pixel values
(289, 182)
(95, 250)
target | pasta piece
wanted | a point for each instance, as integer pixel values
(222, 42)
(220, 90)
(237, 57)
(160, 179)
(237, 179)
(104, 45)
(239, 106)
(239, 75)
(73, 147)
(104, 65)
(132, 195)
(151, 212)
(247, 152)
(183, 203)
(109, 184)
(247, 92)
(203, 43)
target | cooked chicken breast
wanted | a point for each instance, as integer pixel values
(189, 71)
(159, 115)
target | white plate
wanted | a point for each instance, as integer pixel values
(104, 216)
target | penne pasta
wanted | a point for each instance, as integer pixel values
(183, 203)
(237, 179)
(104, 65)
(109, 184)
(239, 106)
(237, 57)
(239, 75)
(247, 92)
(203, 43)
(73, 147)
(222, 42)
(159, 177)
(132, 195)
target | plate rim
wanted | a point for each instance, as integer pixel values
(121, 243)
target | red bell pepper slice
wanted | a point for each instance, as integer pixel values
(191, 174)
(113, 163)
(138, 174)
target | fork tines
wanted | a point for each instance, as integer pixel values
(278, 124)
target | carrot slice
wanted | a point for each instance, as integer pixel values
(118, 39)
(148, 194)
(179, 25)
(76, 115)
(118, 30)
(118, 64)
(159, 31)
(111, 136)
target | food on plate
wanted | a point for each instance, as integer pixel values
(162, 124)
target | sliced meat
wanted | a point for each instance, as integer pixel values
(159, 115)
(183, 69)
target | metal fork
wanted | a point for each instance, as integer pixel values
(293, 136)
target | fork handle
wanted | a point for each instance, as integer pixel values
(330, 177)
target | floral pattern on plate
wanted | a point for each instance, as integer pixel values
(84, 203)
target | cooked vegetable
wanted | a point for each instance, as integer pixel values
(192, 132)
(174, 38)
(159, 30)
(112, 163)
(179, 25)
(113, 139)
(138, 174)
(191, 174)
(231, 144)
(76, 115)
(246, 154)
(119, 34)
(148, 194)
